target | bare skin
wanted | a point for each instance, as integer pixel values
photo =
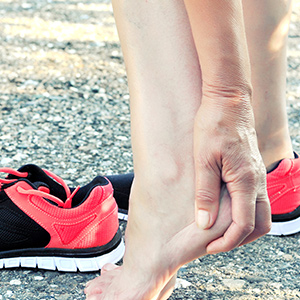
(173, 146)
(164, 294)
(225, 118)
(149, 277)
(267, 24)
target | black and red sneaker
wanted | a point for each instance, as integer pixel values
(46, 225)
(283, 185)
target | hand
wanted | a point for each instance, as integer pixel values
(225, 149)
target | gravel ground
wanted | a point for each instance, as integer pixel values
(64, 106)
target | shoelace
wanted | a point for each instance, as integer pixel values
(41, 191)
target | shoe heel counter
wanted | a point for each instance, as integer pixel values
(105, 225)
(283, 189)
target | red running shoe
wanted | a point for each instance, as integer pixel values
(283, 185)
(45, 225)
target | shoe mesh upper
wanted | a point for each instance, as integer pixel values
(283, 185)
(17, 230)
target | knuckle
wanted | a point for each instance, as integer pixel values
(205, 196)
(247, 228)
(251, 178)
(202, 163)
(250, 175)
(266, 230)
(266, 227)
(207, 162)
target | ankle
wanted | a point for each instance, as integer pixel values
(272, 160)
(273, 166)
(165, 181)
(273, 152)
(162, 198)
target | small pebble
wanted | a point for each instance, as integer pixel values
(182, 283)
(9, 293)
(15, 282)
(234, 283)
(38, 278)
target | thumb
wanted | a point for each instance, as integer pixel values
(208, 185)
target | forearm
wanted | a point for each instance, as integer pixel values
(219, 35)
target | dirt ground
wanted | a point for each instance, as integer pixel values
(64, 106)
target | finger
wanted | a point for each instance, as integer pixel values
(263, 220)
(243, 219)
(208, 184)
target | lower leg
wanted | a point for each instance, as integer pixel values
(267, 24)
(165, 86)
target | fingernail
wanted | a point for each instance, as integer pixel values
(203, 219)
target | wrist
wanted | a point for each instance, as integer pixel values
(216, 91)
(227, 108)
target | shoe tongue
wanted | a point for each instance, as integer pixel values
(37, 176)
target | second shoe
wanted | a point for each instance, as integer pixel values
(44, 224)
(283, 185)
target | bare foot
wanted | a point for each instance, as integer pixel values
(159, 240)
(164, 294)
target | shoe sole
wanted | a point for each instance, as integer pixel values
(83, 260)
(285, 228)
(286, 224)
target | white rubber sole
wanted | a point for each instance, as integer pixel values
(285, 228)
(65, 264)
(122, 216)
